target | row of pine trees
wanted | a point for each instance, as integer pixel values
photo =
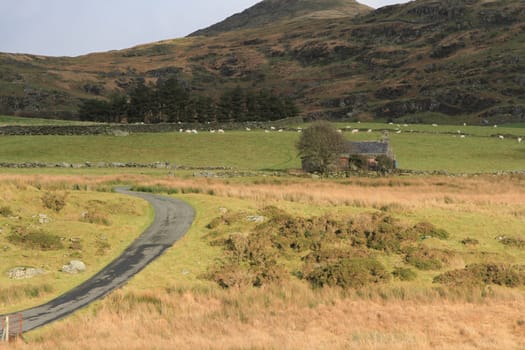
(170, 101)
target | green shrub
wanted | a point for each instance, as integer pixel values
(34, 239)
(479, 274)
(424, 258)
(5, 211)
(348, 273)
(426, 229)
(388, 236)
(404, 274)
(249, 259)
(54, 200)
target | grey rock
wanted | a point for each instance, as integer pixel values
(22, 272)
(74, 266)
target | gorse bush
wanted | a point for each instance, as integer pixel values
(425, 258)
(5, 211)
(323, 250)
(427, 230)
(54, 200)
(348, 273)
(479, 274)
(35, 239)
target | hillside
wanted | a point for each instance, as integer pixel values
(269, 11)
(425, 61)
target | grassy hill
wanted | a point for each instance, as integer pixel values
(424, 61)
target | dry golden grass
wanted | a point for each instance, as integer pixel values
(291, 318)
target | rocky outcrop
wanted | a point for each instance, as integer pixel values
(18, 273)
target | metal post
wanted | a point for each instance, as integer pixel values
(7, 328)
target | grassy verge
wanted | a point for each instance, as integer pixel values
(94, 227)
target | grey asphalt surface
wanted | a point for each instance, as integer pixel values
(173, 218)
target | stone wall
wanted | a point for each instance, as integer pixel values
(124, 129)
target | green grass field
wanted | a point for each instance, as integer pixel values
(425, 148)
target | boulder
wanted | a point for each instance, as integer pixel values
(74, 266)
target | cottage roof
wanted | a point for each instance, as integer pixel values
(368, 148)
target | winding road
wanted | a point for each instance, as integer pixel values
(173, 218)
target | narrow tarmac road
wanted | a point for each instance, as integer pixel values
(173, 218)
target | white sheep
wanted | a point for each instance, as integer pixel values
(434, 125)
(355, 131)
(520, 139)
(220, 131)
(369, 130)
(501, 137)
(193, 131)
(248, 129)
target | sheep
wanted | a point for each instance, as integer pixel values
(398, 132)
(272, 128)
(369, 130)
(501, 137)
(181, 130)
(462, 136)
(248, 129)
(520, 139)
(495, 126)
(434, 125)
(266, 131)
(212, 131)
(220, 131)
(280, 130)
(193, 131)
(355, 131)
(188, 131)
(339, 131)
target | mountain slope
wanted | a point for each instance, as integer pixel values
(270, 11)
(424, 61)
